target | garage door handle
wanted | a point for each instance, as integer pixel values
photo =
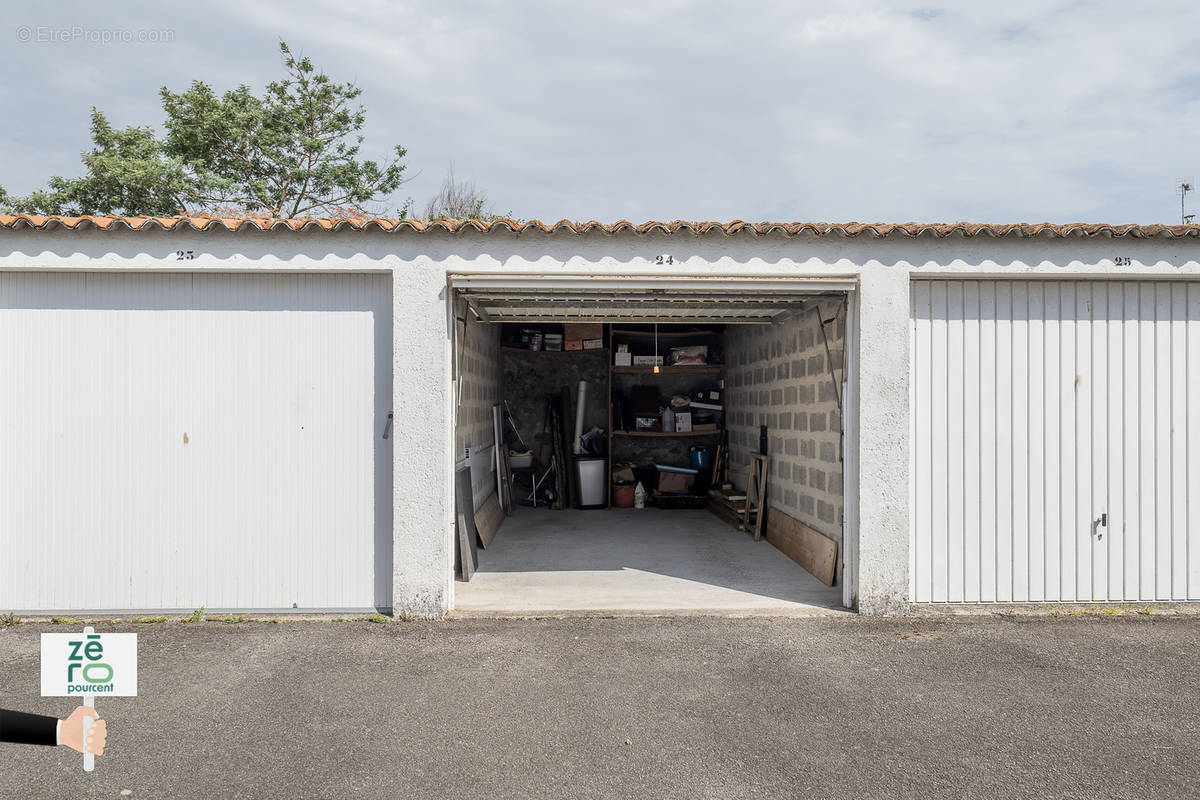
(1104, 519)
(387, 427)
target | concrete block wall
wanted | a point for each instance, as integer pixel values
(778, 376)
(479, 374)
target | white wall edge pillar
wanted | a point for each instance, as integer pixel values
(422, 492)
(882, 351)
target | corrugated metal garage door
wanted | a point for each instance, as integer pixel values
(175, 440)
(1039, 408)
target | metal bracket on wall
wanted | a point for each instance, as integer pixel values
(837, 395)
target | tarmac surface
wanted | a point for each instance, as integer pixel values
(693, 707)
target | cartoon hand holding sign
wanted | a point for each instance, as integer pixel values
(20, 728)
(87, 665)
(71, 733)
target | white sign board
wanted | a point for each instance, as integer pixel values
(95, 664)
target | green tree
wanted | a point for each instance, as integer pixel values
(127, 173)
(291, 152)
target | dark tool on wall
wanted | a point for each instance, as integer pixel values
(720, 472)
(566, 437)
(512, 423)
(553, 403)
(837, 394)
(506, 479)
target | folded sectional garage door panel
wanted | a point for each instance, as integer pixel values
(1042, 409)
(639, 298)
(172, 441)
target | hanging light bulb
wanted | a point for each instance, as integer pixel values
(656, 369)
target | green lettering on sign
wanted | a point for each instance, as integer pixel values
(87, 669)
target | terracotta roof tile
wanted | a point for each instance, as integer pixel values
(851, 229)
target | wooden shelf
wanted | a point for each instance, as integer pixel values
(554, 352)
(666, 334)
(662, 434)
(693, 369)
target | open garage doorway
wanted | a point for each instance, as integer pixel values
(617, 432)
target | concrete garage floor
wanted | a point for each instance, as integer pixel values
(640, 561)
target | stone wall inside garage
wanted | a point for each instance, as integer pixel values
(778, 376)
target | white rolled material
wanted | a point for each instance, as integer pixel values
(580, 404)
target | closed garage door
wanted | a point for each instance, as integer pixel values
(169, 441)
(1056, 441)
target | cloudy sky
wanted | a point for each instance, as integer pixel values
(663, 109)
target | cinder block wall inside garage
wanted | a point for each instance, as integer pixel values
(479, 374)
(777, 376)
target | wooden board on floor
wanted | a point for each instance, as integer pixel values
(814, 551)
(726, 507)
(488, 519)
(726, 513)
(466, 553)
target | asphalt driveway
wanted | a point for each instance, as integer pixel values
(832, 707)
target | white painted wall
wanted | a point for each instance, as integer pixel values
(418, 264)
(171, 441)
(423, 493)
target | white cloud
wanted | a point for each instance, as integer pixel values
(816, 110)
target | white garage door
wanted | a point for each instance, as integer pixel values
(169, 441)
(1056, 439)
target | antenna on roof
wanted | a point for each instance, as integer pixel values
(1186, 185)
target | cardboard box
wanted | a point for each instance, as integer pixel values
(622, 359)
(647, 361)
(574, 344)
(674, 482)
(647, 423)
(622, 474)
(593, 344)
(578, 331)
(683, 422)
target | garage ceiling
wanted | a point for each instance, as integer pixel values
(639, 298)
